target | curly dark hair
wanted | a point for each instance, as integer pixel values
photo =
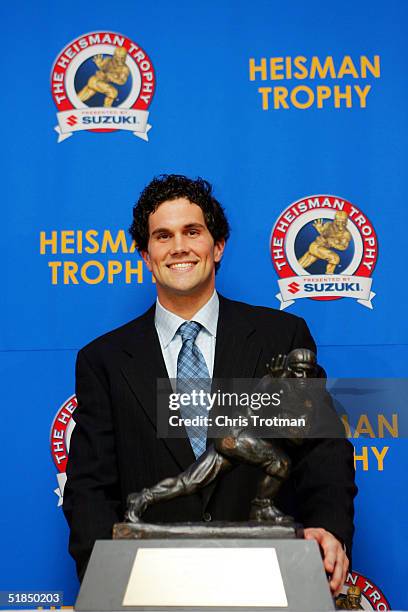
(170, 187)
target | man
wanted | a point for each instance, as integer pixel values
(332, 235)
(180, 230)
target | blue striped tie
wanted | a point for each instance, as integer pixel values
(192, 374)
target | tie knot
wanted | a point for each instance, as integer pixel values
(189, 330)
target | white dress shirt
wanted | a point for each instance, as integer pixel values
(167, 324)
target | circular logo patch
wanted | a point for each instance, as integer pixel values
(102, 82)
(60, 436)
(360, 593)
(324, 248)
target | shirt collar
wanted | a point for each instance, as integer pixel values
(167, 323)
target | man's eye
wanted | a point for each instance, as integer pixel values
(193, 232)
(162, 236)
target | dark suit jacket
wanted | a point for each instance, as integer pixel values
(114, 447)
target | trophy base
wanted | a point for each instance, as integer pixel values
(221, 530)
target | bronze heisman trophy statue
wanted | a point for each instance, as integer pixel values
(241, 445)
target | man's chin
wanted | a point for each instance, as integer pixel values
(187, 289)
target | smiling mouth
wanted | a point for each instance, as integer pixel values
(182, 266)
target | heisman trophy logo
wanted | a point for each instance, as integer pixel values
(324, 248)
(359, 593)
(102, 82)
(60, 436)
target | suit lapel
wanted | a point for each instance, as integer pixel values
(238, 350)
(144, 366)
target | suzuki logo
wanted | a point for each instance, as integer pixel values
(72, 120)
(293, 288)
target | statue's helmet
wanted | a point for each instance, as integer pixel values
(120, 53)
(342, 217)
(301, 355)
(354, 591)
(302, 362)
(341, 214)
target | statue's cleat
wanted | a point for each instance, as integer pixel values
(266, 512)
(285, 519)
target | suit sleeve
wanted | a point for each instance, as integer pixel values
(324, 474)
(91, 495)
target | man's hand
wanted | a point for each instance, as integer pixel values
(335, 560)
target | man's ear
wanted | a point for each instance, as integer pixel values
(219, 250)
(146, 258)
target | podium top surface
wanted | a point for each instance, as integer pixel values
(299, 564)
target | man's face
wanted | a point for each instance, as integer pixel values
(181, 252)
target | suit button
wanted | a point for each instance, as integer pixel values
(207, 517)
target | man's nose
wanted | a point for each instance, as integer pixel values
(180, 244)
